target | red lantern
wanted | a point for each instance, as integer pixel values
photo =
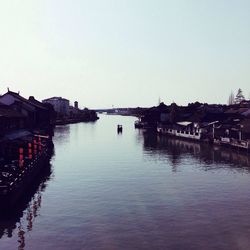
(20, 150)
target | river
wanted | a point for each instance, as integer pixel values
(134, 190)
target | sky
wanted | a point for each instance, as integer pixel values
(125, 53)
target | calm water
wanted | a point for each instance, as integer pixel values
(134, 191)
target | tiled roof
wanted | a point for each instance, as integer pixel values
(35, 103)
(55, 98)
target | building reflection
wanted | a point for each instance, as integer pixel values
(23, 216)
(174, 150)
(62, 133)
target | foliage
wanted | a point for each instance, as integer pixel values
(239, 97)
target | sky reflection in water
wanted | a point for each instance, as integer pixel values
(134, 190)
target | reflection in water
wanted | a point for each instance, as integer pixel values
(62, 132)
(175, 149)
(23, 216)
(135, 191)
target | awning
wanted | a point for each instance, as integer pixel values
(184, 123)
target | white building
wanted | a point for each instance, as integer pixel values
(61, 105)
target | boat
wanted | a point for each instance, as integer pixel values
(119, 128)
(139, 124)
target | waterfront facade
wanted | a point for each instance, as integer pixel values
(36, 113)
(183, 129)
(220, 124)
(10, 120)
(20, 118)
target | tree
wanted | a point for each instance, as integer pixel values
(173, 112)
(239, 97)
(231, 98)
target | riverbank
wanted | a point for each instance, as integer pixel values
(227, 125)
(74, 120)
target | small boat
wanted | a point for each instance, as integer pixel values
(138, 124)
(119, 128)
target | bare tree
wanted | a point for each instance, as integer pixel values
(231, 98)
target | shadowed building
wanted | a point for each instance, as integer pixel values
(10, 119)
(37, 114)
(61, 105)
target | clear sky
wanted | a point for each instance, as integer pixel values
(125, 52)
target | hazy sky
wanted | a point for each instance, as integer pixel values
(125, 52)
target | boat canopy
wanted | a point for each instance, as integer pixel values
(184, 123)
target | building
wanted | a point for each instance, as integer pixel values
(10, 120)
(61, 105)
(74, 111)
(183, 129)
(37, 114)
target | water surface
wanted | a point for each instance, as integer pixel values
(134, 190)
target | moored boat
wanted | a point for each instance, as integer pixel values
(138, 124)
(119, 128)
